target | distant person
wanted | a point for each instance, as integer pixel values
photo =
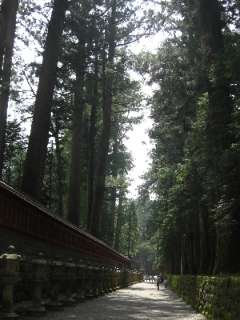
(165, 282)
(158, 281)
(161, 276)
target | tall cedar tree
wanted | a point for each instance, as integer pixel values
(7, 34)
(97, 207)
(91, 147)
(197, 192)
(37, 148)
(221, 109)
(73, 213)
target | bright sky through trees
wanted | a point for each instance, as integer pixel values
(139, 143)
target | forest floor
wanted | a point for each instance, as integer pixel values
(139, 301)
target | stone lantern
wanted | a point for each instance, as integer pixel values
(105, 279)
(121, 278)
(70, 269)
(100, 281)
(9, 276)
(80, 275)
(55, 279)
(95, 284)
(118, 276)
(39, 277)
(114, 278)
(88, 282)
(125, 278)
(108, 272)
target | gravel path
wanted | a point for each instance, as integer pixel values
(139, 301)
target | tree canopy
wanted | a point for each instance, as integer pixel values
(76, 91)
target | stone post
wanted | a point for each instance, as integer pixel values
(130, 277)
(107, 274)
(105, 280)
(39, 277)
(95, 284)
(69, 281)
(80, 275)
(9, 276)
(125, 278)
(88, 282)
(128, 272)
(100, 281)
(118, 277)
(114, 279)
(111, 278)
(55, 278)
(121, 278)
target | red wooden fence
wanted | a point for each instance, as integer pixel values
(25, 217)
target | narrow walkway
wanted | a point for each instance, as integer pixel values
(139, 301)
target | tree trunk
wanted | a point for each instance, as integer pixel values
(8, 26)
(37, 148)
(91, 147)
(130, 233)
(4, 18)
(119, 222)
(73, 213)
(59, 173)
(96, 213)
(219, 94)
(220, 108)
(112, 213)
(203, 239)
(113, 191)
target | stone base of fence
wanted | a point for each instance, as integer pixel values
(54, 284)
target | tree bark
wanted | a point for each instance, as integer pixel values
(37, 148)
(203, 239)
(59, 171)
(220, 109)
(119, 222)
(74, 189)
(4, 18)
(91, 147)
(8, 26)
(96, 213)
(219, 94)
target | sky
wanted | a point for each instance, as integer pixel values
(139, 143)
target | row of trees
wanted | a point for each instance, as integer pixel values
(77, 96)
(195, 175)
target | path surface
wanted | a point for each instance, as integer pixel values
(140, 301)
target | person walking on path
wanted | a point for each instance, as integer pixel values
(158, 281)
(165, 281)
(140, 301)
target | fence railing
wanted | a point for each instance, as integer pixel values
(51, 263)
(25, 218)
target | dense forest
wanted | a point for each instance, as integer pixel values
(67, 107)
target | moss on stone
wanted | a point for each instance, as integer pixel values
(215, 297)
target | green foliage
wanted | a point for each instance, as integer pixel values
(194, 175)
(15, 149)
(187, 215)
(129, 232)
(90, 21)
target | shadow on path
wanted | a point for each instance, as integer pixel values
(139, 301)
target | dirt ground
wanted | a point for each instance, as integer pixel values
(140, 301)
